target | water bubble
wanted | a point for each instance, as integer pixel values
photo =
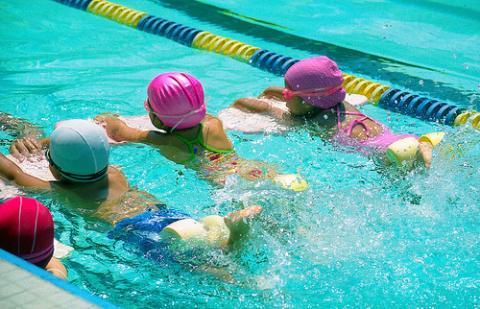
(421, 82)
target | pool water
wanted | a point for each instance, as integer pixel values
(362, 235)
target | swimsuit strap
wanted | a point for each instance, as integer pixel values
(190, 143)
(210, 148)
(198, 140)
(358, 122)
(339, 123)
(355, 122)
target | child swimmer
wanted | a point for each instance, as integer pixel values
(27, 230)
(175, 104)
(167, 234)
(78, 153)
(313, 90)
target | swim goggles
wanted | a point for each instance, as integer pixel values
(315, 92)
(76, 177)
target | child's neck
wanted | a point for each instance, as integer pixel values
(189, 132)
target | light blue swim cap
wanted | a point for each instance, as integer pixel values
(79, 150)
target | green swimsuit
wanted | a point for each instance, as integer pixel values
(193, 144)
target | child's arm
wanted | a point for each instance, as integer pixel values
(273, 92)
(258, 106)
(12, 172)
(119, 131)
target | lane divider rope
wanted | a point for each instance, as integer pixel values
(225, 46)
(389, 98)
(116, 12)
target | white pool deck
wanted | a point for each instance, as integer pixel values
(25, 286)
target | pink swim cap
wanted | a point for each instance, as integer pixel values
(318, 81)
(177, 100)
(26, 230)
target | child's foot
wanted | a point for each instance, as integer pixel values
(238, 221)
(425, 151)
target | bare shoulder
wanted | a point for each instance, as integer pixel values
(213, 126)
(117, 177)
(115, 171)
(349, 107)
(57, 268)
(214, 134)
(212, 121)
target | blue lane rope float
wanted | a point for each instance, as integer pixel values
(272, 62)
(169, 29)
(389, 98)
(78, 4)
(420, 107)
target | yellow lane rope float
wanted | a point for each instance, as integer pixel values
(225, 46)
(357, 85)
(116, 12)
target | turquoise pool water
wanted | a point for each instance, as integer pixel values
(360, 236)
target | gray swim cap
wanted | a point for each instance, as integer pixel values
(79, 150)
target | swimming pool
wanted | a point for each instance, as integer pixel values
(360, 236)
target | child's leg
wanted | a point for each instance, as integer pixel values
(238, 221)
(215, 231)
(425, 150)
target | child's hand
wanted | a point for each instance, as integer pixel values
(26, 148)
(116, 129)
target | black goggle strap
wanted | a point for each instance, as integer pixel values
(82, 178)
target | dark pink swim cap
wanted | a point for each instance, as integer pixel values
(177, 99)
(312, 78)
(26, 230)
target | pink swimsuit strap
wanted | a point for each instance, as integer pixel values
(352, 124)
(381, 141)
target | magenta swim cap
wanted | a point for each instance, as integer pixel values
(318, 81)
(177, 100)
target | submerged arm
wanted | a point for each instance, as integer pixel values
(18, 127)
